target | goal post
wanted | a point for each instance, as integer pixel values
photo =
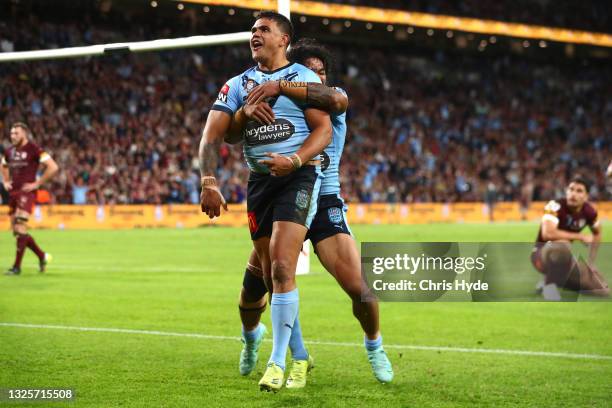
(137, 46)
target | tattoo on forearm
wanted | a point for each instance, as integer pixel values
(291, 84)
(208, 156)
(320, 96)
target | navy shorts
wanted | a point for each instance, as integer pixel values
(288, 198)
(329, 220)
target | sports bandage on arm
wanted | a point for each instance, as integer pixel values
(44, 156)
(295, 160)
(210, 183)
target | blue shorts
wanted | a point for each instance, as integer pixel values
(329, 220)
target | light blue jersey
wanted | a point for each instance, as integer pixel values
(288, 132)
(333, 152)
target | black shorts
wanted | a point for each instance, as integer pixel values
(329, 220)
(289, 198)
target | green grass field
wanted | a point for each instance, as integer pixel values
(169, 282)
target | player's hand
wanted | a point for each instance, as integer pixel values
(211, 199)
(586, 238)
(268, 89)
(28, 187)
(260, 112)
(8, 186)
(278, 165)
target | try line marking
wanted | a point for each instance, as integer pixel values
(317, 342)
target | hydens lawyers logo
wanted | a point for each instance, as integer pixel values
(223, 93)
(258, 134)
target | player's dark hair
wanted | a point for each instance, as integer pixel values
(284, 24)
(309, 48)
(23, 126)
(583, 181)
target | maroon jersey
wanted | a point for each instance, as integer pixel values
(23, 163)
(567, 220)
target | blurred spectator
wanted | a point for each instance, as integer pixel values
(79, 192)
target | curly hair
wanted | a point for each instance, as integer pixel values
(309, 48)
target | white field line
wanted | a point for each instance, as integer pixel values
(317, 342)
(128, 268)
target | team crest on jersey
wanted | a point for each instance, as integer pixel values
(248, 83)
(19, 155)
(581, 223)
(223, 93)
(335, 215)
(302, 199)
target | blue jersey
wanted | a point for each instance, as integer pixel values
(333, 152)
(289, 130)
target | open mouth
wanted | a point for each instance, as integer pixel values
(256, 45)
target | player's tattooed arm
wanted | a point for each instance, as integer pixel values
(217, 125)
(326, 98)
(314, 94)
(209, 156)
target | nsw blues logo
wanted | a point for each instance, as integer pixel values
(302, 199)
(248, 83)
(335, 215)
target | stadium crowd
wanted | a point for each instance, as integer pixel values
(423, 126)
(589, 15)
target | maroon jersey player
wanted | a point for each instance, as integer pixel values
(20, 164)
(562, 223)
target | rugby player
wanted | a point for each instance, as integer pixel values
(284, 182)
(329, 232)
(20, 164)
(562, 224)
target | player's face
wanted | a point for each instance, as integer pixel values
(576, 194)
(18, 136)
(266, 40)
(316, 65)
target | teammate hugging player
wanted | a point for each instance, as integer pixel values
(19, 167)
(329, 232)
(285, 173)
(562, 223)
